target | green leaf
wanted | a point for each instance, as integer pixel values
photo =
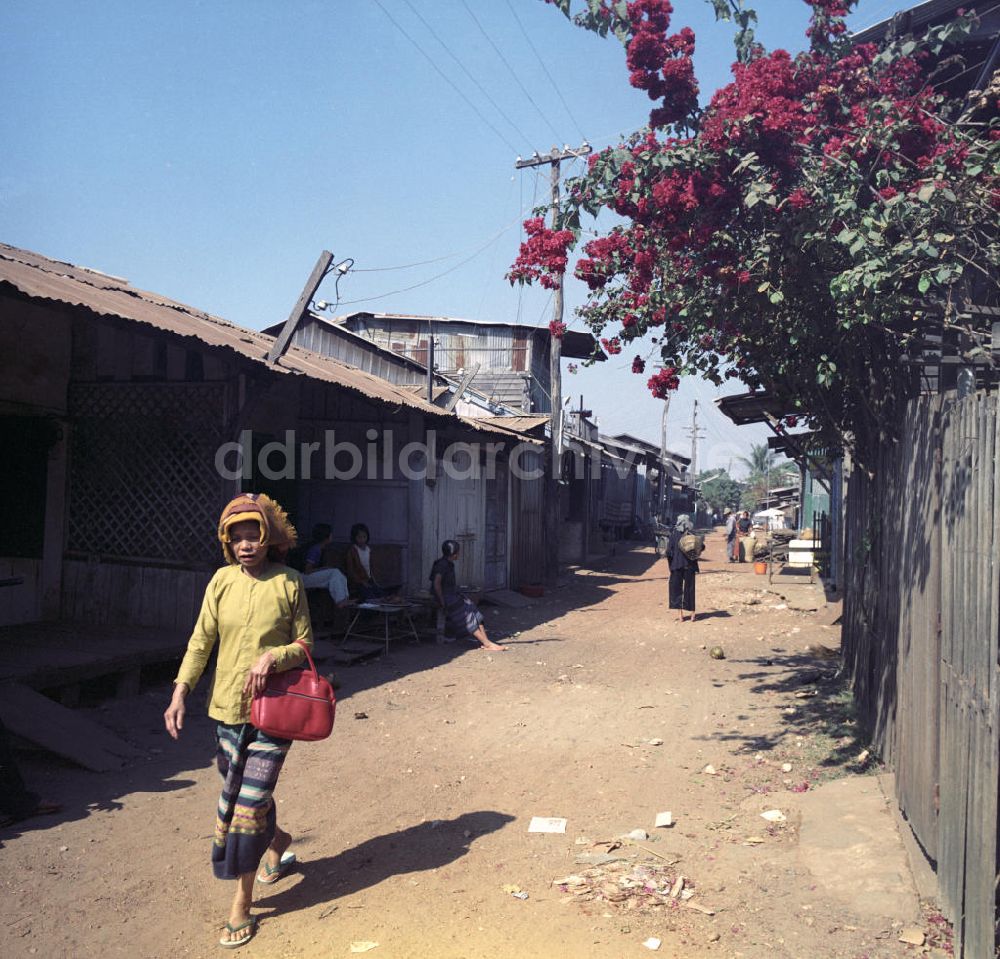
(926, 192)
(749, 159)
(777, 297)
(924, 284)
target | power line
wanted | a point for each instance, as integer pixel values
(452, 269)
(545, 69)
(436, 259)
(446, 78)
(496, 106)
(534, 198)
(510, 69)
(492, 261)
(405, 266)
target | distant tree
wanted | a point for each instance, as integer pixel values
(719, 491)
(765, 471)
(760, 461)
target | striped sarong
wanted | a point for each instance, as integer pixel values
(250, 762)
(462, 617)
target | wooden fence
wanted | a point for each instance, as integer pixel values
(921, 626)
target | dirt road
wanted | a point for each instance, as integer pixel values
(410, 823)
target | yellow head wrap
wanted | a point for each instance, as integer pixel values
(276, 530)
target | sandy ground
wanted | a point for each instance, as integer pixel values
(409, 823)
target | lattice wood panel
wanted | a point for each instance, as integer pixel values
(143, 482)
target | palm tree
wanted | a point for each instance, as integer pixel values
(765, 471)
(760, 461)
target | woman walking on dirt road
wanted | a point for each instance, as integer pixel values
(683, 569)
(255, 608)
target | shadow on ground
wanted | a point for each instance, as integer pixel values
(167, 764)
(818, 692)
(429, 845)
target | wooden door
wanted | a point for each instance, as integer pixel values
(495, 547)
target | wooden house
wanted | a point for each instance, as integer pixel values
(508, 363)
(121, 413)
(495, 373)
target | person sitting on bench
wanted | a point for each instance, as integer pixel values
(361, 579)
(317, 576)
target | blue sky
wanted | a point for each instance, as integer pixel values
(210, 150)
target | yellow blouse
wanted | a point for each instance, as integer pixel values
(247, 616)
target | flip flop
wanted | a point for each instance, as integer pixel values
(251, 929)
(271, 876)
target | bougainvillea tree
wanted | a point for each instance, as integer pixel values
(797, 230)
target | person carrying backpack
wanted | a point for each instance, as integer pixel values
(683, 551)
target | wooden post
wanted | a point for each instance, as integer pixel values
(555, 353)
(553, 514)
(430, 362)
(553, 488)
(312, 284)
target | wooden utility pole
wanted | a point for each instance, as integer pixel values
(320, 270)
(694, 440)
(664, 468)
(695, 435)
(553, 513)
(430, 362)
(555, 158)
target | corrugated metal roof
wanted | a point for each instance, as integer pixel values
(364, 342)
(917, 16)
(579, 442)
(419, 389)
(752, 407)
(338, 329)
(652, 448)
(518, 423)
(577, 344)
(39, 277)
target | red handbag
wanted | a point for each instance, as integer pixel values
(296, 704)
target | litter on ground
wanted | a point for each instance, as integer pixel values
(547, 824)
(644, 888)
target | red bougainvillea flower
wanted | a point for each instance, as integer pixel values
(542, 256)
(663, 381)
(762, 237)
(557, 329)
